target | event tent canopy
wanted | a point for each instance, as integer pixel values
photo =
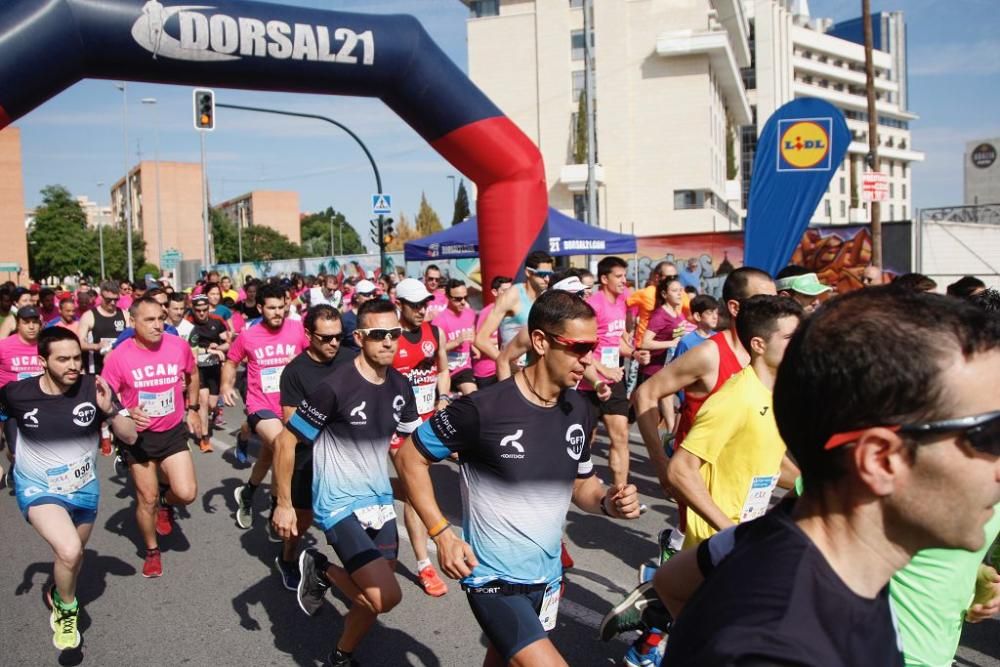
(567, 236)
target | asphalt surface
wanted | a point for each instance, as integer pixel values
(220, 601)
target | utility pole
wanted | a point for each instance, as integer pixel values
(204, 205)
(127, 208)
(873, 162)
(588, 84)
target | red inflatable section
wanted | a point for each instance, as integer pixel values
(512, 199)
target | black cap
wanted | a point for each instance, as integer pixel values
(28, 313)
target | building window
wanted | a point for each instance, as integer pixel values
(892, 169)
(576, 45)
(843, 185)
(892, 212)
(573, 4)
(903, 186)
(892, 189)
(827, 211)
(684, 199)
(578, 84)
(481, 8)
(580, 207)
(843, 209)
(904, 212)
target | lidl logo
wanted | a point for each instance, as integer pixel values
(804, 144)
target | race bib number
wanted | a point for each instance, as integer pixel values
(24, 375)
(457, 360)
(157, 404)
(71, 477)
(424, 394)
(270, 380)
(550, 605)
(376, 516)
(759, 497)
(609, 356)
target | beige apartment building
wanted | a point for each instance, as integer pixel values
(669, 103)
(12, 213)
(277, 210)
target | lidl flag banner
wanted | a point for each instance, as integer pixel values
(798, 152)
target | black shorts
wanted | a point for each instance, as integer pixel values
(616, 405)
(156, 446)
(357, 546)
(210, 377)
(509, 621)
(463, 376)
(255, 418)
(484, 382)
(241, 382)
(302, 477)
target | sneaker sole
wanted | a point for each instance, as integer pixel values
(237, 494)
(605, 630)
(153, 576)
(302, 581)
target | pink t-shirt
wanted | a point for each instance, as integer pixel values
(124, 301)
(267, 352)
(152, 379)
(610, 329)
(455, 326)
(18, 360)
(484, 367)
(662, 324)
(437, 305)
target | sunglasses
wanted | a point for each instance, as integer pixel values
(432, 279)
(671, 276)
(982, 432)
(540, 273)
(574, 346)
(415, 306)
(381, 334)
(328, 338)
(458, 299)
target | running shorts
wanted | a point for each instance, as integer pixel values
(357, 546)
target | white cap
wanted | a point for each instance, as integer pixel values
(572, 284)
(365, 287)
(412, 290)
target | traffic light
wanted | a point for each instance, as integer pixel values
(204, 109)
(387, 232)
(376, 235)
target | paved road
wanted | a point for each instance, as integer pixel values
(220, 602)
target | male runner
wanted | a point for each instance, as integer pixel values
(349, 419)
(364, 291)
(67, 316)
(300, 378)
(176, 309)
(100, 326)
(266, 348)
(22, 298)
(483, 367)
(699, 373)
(510, 311)
(58, 415)
(328, 294)
(422, 358)
(155, 376)
(433, 281)
(458, 324)
(18, 361)
(523, 446)
(209, 338)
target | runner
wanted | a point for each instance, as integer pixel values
(483, 367)
(458, 322)
(505, 435)
(422, 358)
(705, 315)
(328, 294)
(434, 283)
(798, 283)
(18, 361)
(100, 326)
(176, 308)
(22, 299)
(209, 338)
(364, 291)
(57, 416)
(266, 348)
(349, 419)
(154, 374)
(67, 316)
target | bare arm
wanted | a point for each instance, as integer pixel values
(649, 342)
(590, 494)
(227, 383)
(506, 304)
(789, 473)
(690, 488)
(86, 325)
(512, 351)
(284, 464)
(193, 386)
(444, 377)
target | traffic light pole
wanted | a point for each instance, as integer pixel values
(204, 205)
(371, 160)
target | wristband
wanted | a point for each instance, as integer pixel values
(195, 408)
(439, 528)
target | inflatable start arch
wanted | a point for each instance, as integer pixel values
(48, 45)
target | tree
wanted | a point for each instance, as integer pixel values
(731, 165)
(315, 232)
(404, 232)
(259, 242)
(580, 131)
(115, 255)
(461, 204)
(428, 221)
(59, 243)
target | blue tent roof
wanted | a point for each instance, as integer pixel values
(567, 236)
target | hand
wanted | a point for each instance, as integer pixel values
(103, 395)
(104, 350)
(642, 356)
(140, 418)
(284, 522)
(442, 404)
(614, 375)
(220, 354)
(194, 423)
(229, 396)
(680, 331)
(454, 556)
(603, 390)
(986, 602)
(622, 501)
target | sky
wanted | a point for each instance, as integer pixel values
(76, 138)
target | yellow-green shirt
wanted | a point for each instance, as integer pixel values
(736, 437)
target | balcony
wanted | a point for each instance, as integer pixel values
(574, 177)
(714, 44)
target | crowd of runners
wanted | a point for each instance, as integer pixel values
(874, 413)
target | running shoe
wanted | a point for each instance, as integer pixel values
(338, 659)
(289, 572)
(63, 621)
(106, 448)
(645, 651)
(646, 571)
(205, 445)
(565, 558)
(121, 467)
(666, 551)
(164, 520)
(153, 566)
(312, 587)
(244, 507)
(242, 447)
(431, 582)
(218, 420)
(640, 609)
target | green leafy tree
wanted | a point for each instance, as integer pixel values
(731, 165)
(115, 255)
(580, 131)
(428, 221)
(260, 243)
(315, 234)
(461, 204)
(58, 240)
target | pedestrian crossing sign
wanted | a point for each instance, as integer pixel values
(381, 204)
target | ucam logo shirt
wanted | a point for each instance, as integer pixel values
(18, 360)
(267, 352)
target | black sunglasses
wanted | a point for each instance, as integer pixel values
(328, 338)
(981, 431)
(381, 334)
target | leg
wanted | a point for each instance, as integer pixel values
(290, 547)
(618, 454)
(493, 657)
(56, 527)
(179, 471)
(373, 590)
(268, 430)
(204, 413)
(147, 491)
(541, 653)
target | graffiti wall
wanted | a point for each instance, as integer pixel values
(702, 260)
(359, 266)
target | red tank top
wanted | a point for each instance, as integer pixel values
(418, 362)
(729, 366)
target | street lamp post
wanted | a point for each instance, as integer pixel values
(156, 157)
(454, 195)
(127, 206)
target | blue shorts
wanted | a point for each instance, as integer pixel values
(82, 506)
(357, 546)
(509, 621)
(255, 418)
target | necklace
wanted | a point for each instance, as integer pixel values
(546, 401)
